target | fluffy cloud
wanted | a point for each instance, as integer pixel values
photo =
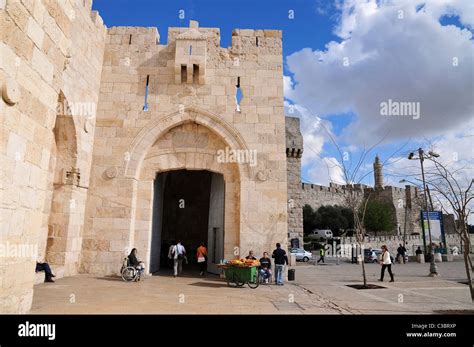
(321, 168)
(390, 50)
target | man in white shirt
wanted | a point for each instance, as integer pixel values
(178, 253)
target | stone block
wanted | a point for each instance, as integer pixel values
(35, 32)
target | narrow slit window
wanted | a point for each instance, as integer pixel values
(195, 73)
(238, 95)
(130, 39)
(145, 106)
(256, 41)
(190, 49)
(184, 74)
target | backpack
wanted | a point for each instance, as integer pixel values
(180, 255)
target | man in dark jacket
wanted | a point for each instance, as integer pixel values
(265, 267)
(280, 260)
(401, 250)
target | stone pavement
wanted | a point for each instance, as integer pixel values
(413, 292)
(320, 289)
(164, 294)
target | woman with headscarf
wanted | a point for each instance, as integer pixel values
(133, 261)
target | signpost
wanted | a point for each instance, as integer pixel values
(435, 220)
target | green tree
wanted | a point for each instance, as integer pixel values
(337, 218)
(311, 219)
(378, 217)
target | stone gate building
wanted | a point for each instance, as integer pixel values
(111, 140)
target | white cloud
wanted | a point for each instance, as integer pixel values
(408, 60)
(316, 132)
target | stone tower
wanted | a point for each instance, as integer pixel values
(378, 175)
(294, 151)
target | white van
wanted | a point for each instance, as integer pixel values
(321, 234)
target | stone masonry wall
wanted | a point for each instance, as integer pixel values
(125, 132)
(47, 49)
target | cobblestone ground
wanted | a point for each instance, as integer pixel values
(318, 289)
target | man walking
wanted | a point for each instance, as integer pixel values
(401, 253)
(322, 252)
(178, 253)
(280, 260)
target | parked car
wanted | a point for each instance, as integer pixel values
(372, 255)
(301, 254)
(321, 234)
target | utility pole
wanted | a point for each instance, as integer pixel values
(421, 157)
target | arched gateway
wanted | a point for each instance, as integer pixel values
(176, 181)
(184, 192)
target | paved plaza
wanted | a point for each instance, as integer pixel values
(318, 289)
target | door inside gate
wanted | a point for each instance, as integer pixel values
(188, 206)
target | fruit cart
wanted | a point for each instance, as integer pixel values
(239, 274)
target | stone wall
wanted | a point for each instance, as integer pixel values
(121, 189)
(51, 56)
(316, 195)
(402, 201)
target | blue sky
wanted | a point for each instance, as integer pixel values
(307, 29)
(398, 49)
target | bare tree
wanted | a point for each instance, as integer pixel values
(456, 196)
(355, 198)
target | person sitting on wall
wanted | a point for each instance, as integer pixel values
(48, 274)
(133, 261)
(250, 256)
(265, 267)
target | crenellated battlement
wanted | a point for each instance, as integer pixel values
(133, 36)
(257, 41)
(335, 188)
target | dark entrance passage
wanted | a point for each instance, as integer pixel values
(187, 206)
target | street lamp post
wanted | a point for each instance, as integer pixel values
(421, 156)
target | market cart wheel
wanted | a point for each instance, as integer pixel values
(234, 281)
(255, 281)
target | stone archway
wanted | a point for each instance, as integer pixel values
(149, 134)
(187, 146)
(124, 191)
